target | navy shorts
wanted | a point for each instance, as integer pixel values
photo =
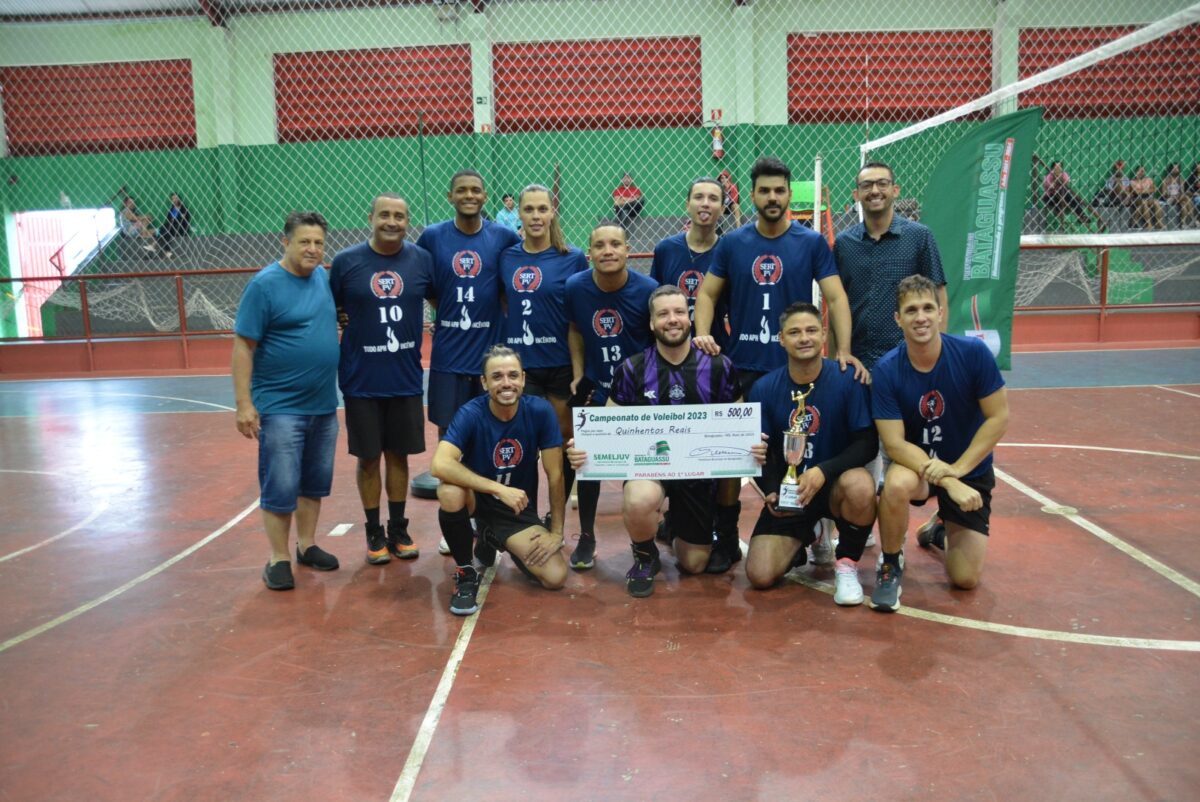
(802, 525)
(374, 425)
(448, 392)
(546, 382)
(295, 458)
(977, 521)
(494, 516)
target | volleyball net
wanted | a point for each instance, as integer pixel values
(248, 110)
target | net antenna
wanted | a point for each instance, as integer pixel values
(1156, 30)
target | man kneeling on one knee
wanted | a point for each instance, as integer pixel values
(940, 406)
(487, 461)
(832, 479)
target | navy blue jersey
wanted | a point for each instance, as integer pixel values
(940, 409)
(536, 286)
(838, 407)
(466, 285)
(505, 451)
(647, 378)
(384, 299)
(764, 276)
(675, 263)
(613, 324)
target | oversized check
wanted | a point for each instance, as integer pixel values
(690, 441)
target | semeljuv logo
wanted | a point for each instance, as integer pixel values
(657, 454)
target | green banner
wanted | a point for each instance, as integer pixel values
(975, 205)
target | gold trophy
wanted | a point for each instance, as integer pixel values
(794, 441)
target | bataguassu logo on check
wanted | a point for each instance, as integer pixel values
(527, 279)
(507, 454)
(607, 323)
(657, 454)
(387, 284)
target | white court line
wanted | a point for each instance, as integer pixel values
(1174, 390)
(39, 473)
(100, 508)
(1020, 632)
(1102, 448)
(340, 530)
(1089, 387)
(416, 755)
(130, 395)
(112, 594)
(1159, 568)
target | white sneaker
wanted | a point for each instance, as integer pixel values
(848, 591)
(822, 547)
(443, 547)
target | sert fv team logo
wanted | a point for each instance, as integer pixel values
(812, 419)
(527, 279)
(933, 405)
(690, 282)
(507, 454)
(467, 264)
(387, 284)
(607, 323)
(767, 269)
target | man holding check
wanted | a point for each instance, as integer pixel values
(672, 372)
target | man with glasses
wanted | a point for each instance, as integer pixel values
(874, 255)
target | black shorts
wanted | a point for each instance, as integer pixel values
(746, 380)
(450, 391)
(693, 505)
(977, 521)
(546, 382)
(494, 516)
(374, 425)
(800, 526)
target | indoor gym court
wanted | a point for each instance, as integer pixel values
(144, 660)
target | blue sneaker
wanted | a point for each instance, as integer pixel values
(886, 596)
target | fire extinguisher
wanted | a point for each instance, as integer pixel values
(718, 143)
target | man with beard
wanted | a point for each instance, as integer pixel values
(488, 460)
(381, 286)
(671, 372)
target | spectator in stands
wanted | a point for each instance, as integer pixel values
(1191, 184)
(627, 201)
(138, 225)
(508, 216)
(1115, 191)
(1173, 195)
(1146, 211)
(733, 208)
(1059, 197)
(177, 223)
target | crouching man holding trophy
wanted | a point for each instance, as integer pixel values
(817, 422)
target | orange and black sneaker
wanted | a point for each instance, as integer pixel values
(377, 547)
(399, 543)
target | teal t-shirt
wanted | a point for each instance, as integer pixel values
(294, 322)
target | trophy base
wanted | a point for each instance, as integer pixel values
(789, 499)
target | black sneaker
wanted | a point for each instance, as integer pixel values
(886, 596)
(932, 534)
(278, 576)
(466, 587)
(726, 551)
(399, 544)
(316, 557)
(639, 580)
(485, 548)
(664, 534)
(584, 556)
(801, 558)
(546, 522)
(377, 547)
